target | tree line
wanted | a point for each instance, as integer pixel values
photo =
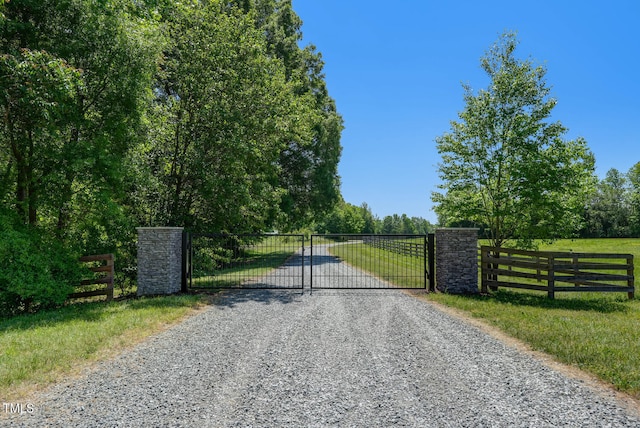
(613, 207)
(349, 218)
(205, 114)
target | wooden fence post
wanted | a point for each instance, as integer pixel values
(484, 266)
(109, 277)
(631, 280)
(551, 280)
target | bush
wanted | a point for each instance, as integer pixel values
(35, 272)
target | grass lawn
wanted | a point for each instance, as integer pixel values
(404, 271)
(39, 349)
(253, 266)
(596, 332)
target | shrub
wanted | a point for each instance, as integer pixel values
(36, 272)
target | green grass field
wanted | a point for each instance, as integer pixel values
(401, 270)
(596, 332)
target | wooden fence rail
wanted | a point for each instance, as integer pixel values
(411, 249)
(559, 271)
(105, 275)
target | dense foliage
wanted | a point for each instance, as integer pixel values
(203, 114)
(613, 209)
(36, 271)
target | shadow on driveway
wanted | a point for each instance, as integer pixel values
(231, 298)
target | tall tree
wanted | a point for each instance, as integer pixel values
(37, 96)
(221, 109)
(80, 153)
(504, 165)
(346, 218)
(309, 160)
(634, 199)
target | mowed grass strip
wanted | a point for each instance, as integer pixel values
(39, 349)
(253, 266)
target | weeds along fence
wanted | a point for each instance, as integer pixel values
(102, 280)
(556, 271)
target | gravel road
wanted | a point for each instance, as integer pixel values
(331, 358)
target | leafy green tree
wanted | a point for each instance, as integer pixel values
(346, 218)
(634, 199)
(36, 271)
(78, 78)
(309, 160)
(403, 224)
(504, 165)
(37, 97)
(221, 109)
(391, 224)
(370, 221)
(422, 226)
(96, 111)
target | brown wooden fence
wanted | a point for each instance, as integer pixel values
(556, 271)
(397, 244)
(103, 274)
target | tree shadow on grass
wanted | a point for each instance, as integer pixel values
(599, 304)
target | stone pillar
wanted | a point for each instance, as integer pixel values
(457, 260)
(159, 260)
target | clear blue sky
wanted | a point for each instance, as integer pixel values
(395, 69)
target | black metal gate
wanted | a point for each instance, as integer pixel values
(245, 261)
(345, 261)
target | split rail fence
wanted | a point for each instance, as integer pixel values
(102, 265)
(556, 271)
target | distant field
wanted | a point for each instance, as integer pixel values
(404, 271)
(214, 267)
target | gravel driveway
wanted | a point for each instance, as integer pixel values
(331, 358)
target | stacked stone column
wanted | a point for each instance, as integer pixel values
(457, 260)
(159, 260)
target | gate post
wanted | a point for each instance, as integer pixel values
(457, 260)
(159, 260)
(431, 250)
